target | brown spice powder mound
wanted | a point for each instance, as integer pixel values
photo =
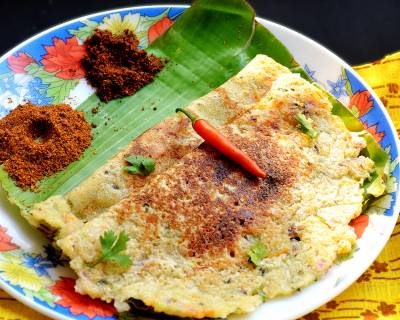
(115, 66)
(39, 141)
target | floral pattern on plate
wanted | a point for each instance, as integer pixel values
(46, 69)
(51, 73)
(30, 274)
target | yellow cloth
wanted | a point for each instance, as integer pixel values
(376, 294)
(11, 309)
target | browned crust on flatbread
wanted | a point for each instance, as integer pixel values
(209, 223)
(227, 101)
(171, 130)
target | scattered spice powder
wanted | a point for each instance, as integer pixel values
(95, 110)
(39, 141)
(115, 66)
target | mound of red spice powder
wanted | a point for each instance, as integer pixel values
(36, 142)
(115, 66)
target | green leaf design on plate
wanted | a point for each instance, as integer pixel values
(355, 111)
(145, 22)
(348, 84)
(43, 295)
(85, 31)
(58, 88)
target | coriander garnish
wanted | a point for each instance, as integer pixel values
(111, 246)
(140, 165)
(305, 125)
(348, 256)
(257, 252)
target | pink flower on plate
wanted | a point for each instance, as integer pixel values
(77, 303)
(5, 241)
(64, 58)
(159, 28)
(19, 62)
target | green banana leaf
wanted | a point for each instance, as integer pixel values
(207, 45)
(212, 41)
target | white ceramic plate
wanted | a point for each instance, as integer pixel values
(35, 276)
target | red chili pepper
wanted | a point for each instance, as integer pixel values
(212, 136)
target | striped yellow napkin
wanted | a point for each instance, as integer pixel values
(376, 294)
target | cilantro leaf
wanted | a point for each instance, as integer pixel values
(305, 125)
(375, 186)
(140, 165)
(107, 240)
(122, 260)
(257, 252)
(262, 295)
(120, 244)
(260, 292)
(348, 256)
(111, 246)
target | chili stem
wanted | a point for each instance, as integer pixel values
(189, 115)
(213, 137)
